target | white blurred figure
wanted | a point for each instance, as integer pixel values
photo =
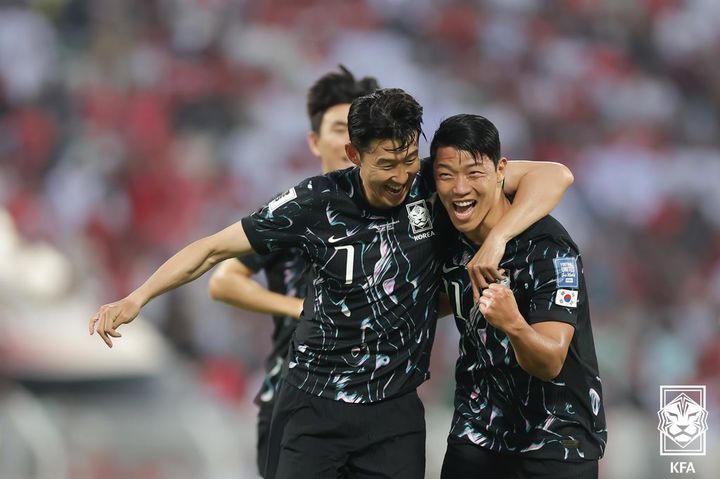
(27, 53)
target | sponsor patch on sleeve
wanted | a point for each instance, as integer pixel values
(289, 195)
(567, 298)
(566, 272)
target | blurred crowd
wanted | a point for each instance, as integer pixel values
(128, 129)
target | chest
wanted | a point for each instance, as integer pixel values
(458, 287)
(356, 248)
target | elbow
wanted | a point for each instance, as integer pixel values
(547, 371)
(216, 286)
(567, 176)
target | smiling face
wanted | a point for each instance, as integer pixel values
(386, 172)
(470, 189)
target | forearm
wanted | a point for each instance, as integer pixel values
(186, 265)
(250, 295)
(538, 192)
(537, 354)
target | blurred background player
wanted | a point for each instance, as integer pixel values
(328, 104)
(528, 399)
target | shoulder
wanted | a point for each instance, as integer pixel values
(340, 182)
(546, 241)
(547, 230)
(307, 192)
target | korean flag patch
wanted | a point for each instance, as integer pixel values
(566, 272)
(567, 298)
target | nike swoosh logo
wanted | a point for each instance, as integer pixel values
(333, 239)
(447, 270)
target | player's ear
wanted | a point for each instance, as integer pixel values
(312, 140)
(500, 170)
(353, 154)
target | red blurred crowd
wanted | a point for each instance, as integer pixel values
(128, 129)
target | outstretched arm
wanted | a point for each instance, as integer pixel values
(188, 264)
(232, 283)
(538, 187)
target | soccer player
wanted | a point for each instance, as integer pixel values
(528, 399)
(328, 103)
(371, 236)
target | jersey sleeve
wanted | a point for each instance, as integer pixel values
(254, 262)
(282, 223)
(557, 286)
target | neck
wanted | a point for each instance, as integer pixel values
(368, 195)
(492, 218)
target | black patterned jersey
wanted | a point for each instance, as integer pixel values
(367, 328)
(286, 274)
(498, 405)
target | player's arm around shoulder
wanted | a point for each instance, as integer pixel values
(540, 348)
(538, 187)
(231, 282)
(186, 265)
(535, 174)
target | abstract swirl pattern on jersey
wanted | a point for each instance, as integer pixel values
(498, 405)
(367, 332)
(286, 274)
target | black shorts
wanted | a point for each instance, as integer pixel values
(313, 437)
(464, 460)
(263, 432)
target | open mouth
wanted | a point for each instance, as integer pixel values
(395, 191)
(463, 209)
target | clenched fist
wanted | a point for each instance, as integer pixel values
(499, 307)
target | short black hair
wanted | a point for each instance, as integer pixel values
(335, 88)
(387, 114)
(465, 132)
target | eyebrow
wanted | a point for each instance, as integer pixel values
(387, 161)
(440, 166)
(464, 166)
(412, 155)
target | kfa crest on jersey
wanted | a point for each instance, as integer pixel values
(420, 220)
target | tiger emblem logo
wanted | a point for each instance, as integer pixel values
(419, 216)
(682, 420)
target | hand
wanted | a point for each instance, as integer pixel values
(499, 307)
(483, 267)
(110, 316)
